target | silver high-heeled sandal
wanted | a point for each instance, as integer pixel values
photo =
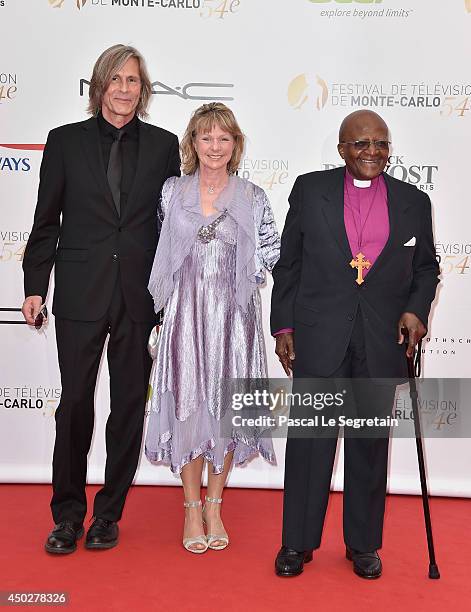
(200, 539)
(223, 538)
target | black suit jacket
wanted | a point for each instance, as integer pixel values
(314, 286)
(77, 228)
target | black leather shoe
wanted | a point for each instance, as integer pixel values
(365, 564)
(290, 562)
(63, 538)
(102, 534)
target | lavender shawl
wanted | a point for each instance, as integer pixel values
(258, 241)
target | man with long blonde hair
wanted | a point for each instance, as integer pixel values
(95, 220)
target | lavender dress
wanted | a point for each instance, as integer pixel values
(206, 338)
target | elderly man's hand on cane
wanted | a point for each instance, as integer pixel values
(415, 328)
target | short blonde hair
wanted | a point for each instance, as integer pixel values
(106, 66)
(202, 121)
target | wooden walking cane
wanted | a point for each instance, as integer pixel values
(413, 369)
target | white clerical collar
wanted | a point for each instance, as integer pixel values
(361, 184)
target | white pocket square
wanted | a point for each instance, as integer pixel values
(410, 242)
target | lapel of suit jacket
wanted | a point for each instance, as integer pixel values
(91, 141)
(397, 206)
(334, 212)
(144, 161)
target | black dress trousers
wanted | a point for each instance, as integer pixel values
(310, 459)
(80, 347)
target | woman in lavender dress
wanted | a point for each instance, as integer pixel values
(217, 237)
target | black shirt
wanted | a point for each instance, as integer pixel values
(129, 151)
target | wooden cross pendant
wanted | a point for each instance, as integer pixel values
(360, 262)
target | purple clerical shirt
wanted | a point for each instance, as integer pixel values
(366, 217)
(371, 225)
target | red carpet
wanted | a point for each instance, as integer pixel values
(150, 570)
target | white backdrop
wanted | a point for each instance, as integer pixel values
(292, 71)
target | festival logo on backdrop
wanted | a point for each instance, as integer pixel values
(441, 401)
(312, 90)
(266, 173)
(219, 9)
(59, 3)
(451, 99)
(454, 258)
(12, 245)
(36, 400)
(206, 9)
(210, 5)
(8, 87)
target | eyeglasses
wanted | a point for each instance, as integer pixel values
(40, 317)
(361, 145)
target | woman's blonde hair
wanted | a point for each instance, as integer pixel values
(107, 65)
(202, 122)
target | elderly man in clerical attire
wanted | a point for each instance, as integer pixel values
(357, 273)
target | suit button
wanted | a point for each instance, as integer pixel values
(120, 229)
(115, 256)
(350, 317)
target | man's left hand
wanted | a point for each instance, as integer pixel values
(415, 328)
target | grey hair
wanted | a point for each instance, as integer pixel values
(106, 66)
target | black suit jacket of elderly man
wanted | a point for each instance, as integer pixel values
(102, 266)
(314, 287)
(316, 293)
